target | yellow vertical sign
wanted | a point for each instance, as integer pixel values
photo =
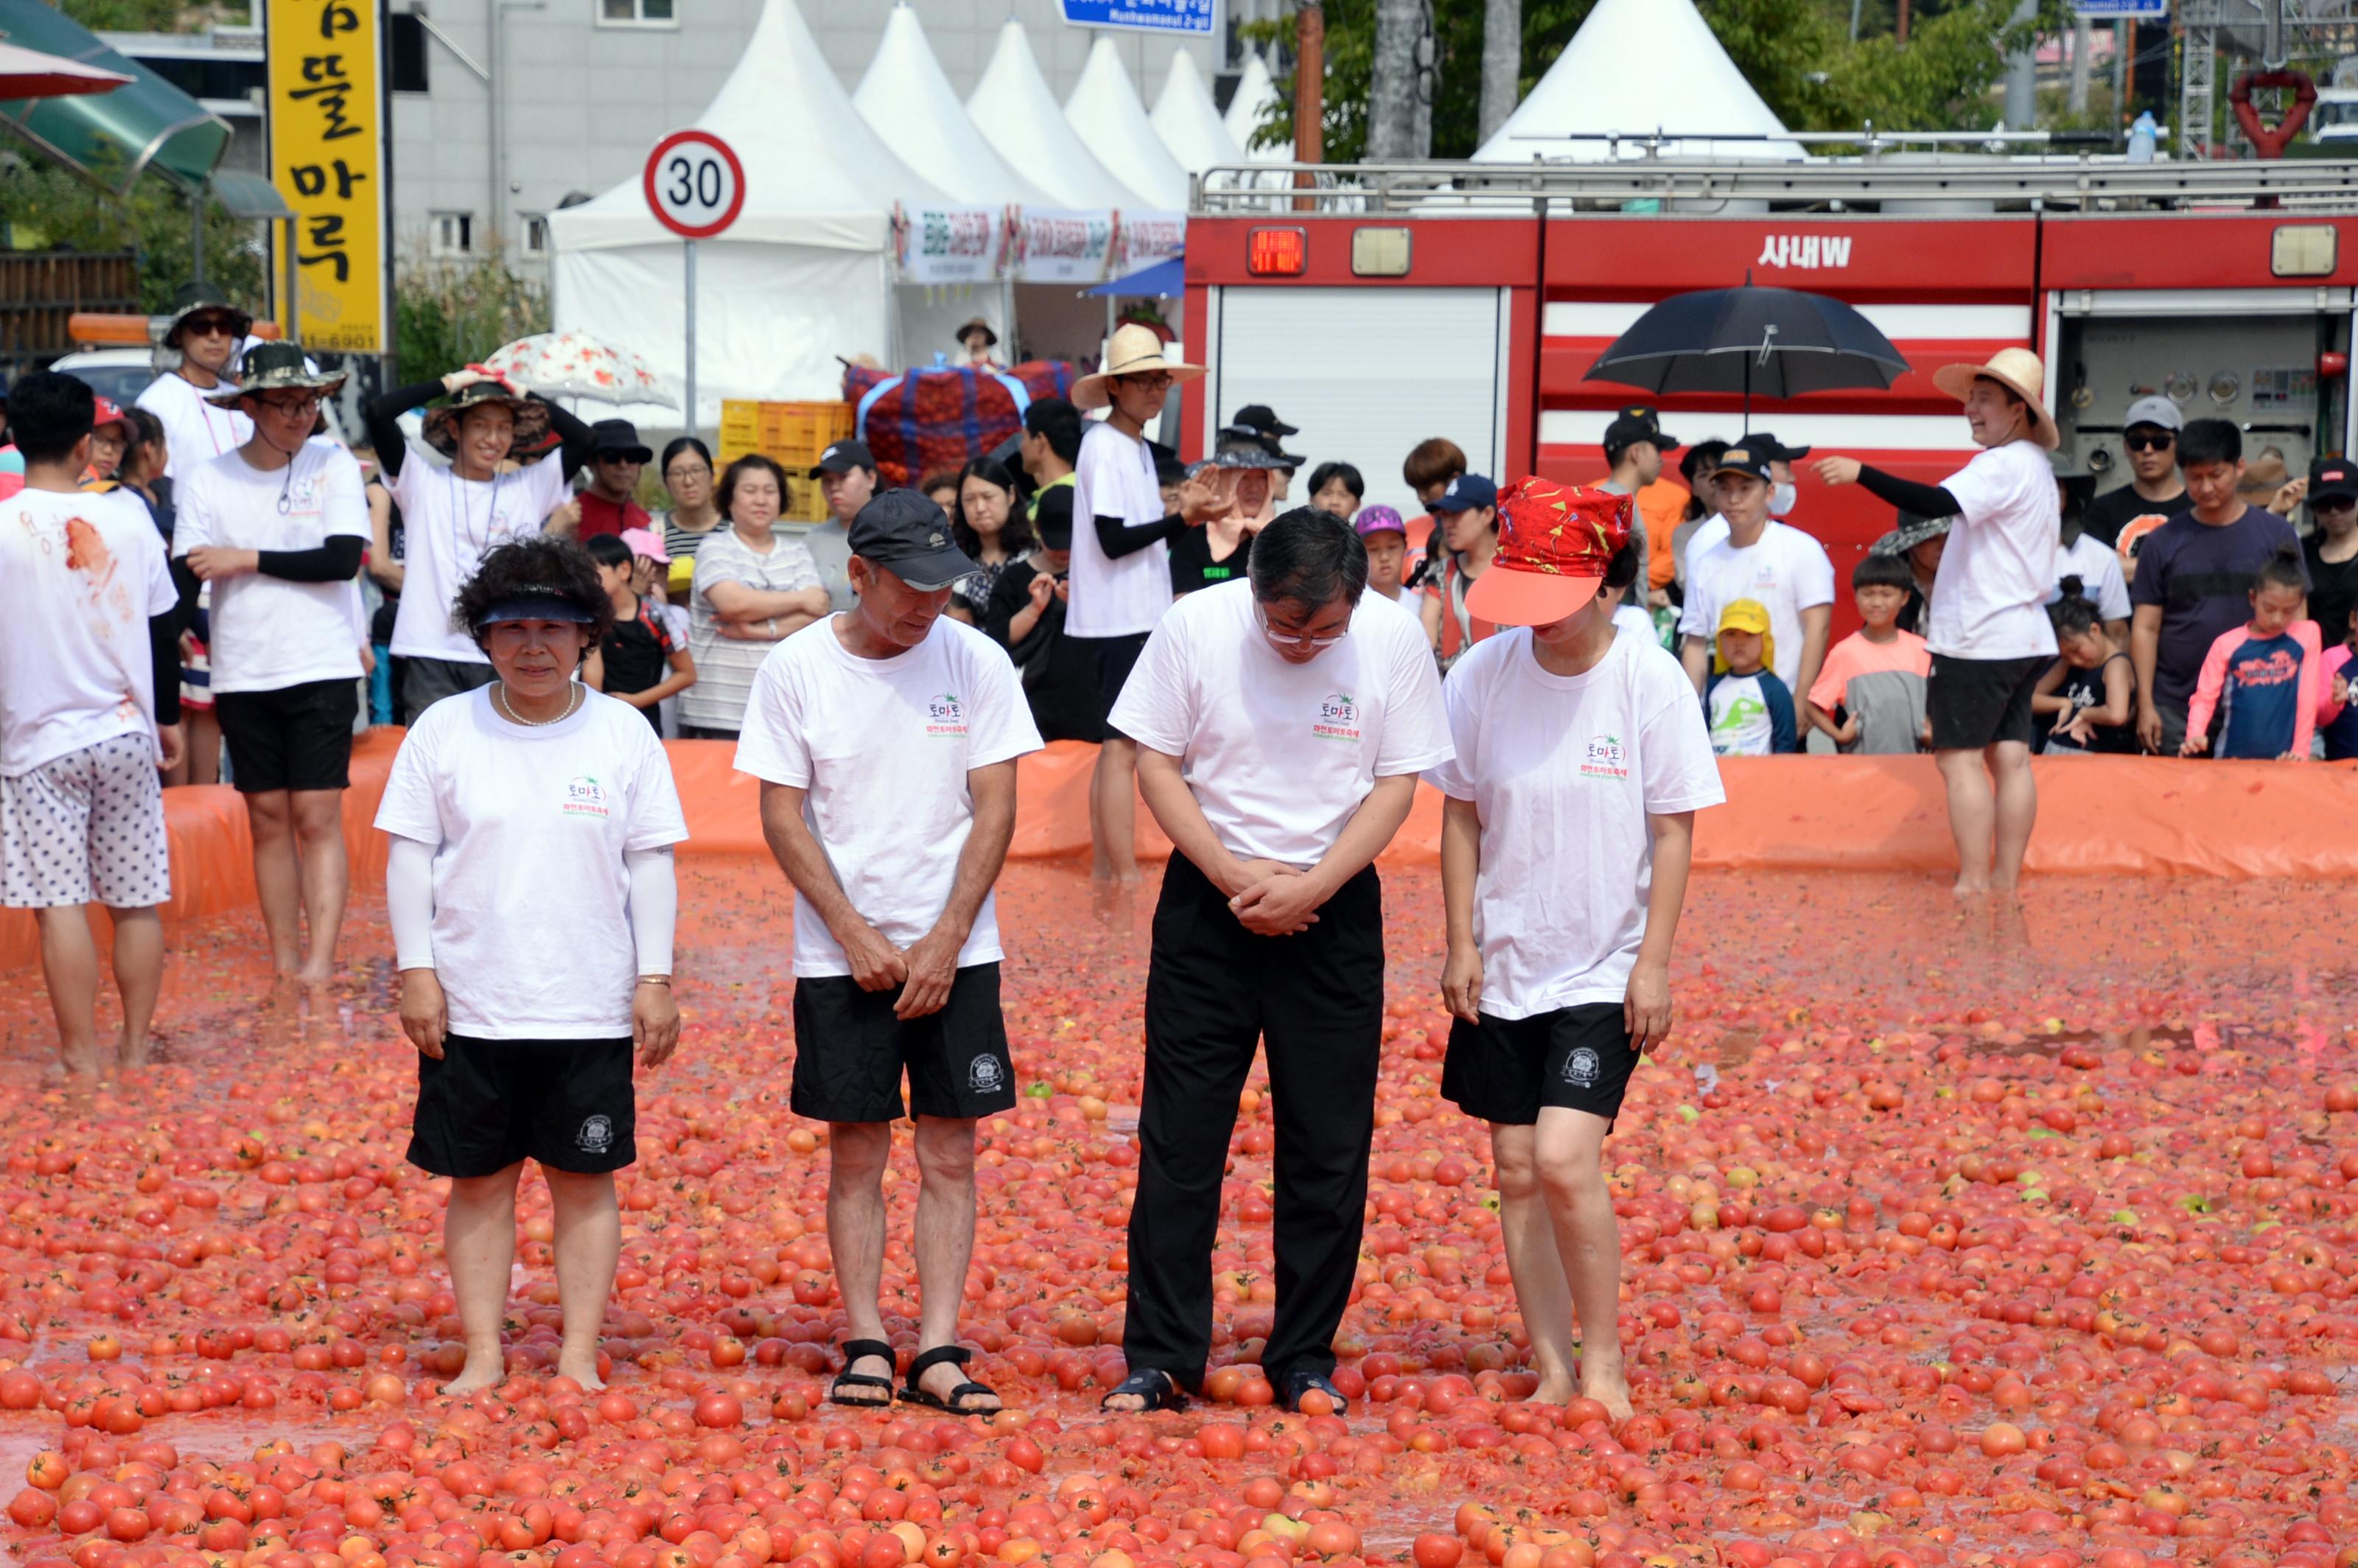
(328, 160)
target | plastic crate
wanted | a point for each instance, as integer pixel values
(793, 433)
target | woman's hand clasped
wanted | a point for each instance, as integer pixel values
(424, 1015)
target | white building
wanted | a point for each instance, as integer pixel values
(589, 85)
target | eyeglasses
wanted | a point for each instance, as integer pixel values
(688, 470)
(1291, 639)
(2160, 441)
(292, 406)
(1155, 381)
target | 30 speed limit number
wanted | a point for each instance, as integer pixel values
(695, 186)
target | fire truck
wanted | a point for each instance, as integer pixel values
(1393, 303)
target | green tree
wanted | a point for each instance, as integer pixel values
(447, 318)
(148, 16)
(1796, 53)
(44, 207)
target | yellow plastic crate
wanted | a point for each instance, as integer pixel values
(793, 433)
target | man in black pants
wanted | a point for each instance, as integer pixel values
(1281, 727)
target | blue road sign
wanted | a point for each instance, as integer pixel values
(2098, 8)
(1142, 15)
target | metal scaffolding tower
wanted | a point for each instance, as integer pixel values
(2317, 34)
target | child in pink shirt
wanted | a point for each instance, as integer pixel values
(1870, 694)
(2264, 676)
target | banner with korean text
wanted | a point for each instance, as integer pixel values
(328, 140)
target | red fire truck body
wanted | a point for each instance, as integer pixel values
(1374, 327)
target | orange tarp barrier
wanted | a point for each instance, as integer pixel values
(2125, 816)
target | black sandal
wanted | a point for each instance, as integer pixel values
(1302, 1380)
(1158, 1388)
(856, 1350)
(954, 1356)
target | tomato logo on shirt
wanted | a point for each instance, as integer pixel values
(585, 796)
(1606, 758)
(945, 715)
(1338, 717)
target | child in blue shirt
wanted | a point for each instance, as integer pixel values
(1748, 709)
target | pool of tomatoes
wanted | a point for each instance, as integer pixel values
(1950, 1235)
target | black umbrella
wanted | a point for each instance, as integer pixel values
(1778, 342)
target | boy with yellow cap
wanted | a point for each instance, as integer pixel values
(1750, 711)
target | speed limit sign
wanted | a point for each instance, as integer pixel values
(695, 186)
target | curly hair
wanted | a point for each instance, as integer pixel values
(541, 564)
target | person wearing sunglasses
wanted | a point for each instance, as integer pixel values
(2149, 440)
(1281, 724)
(2332, 548)
(206, 331)
(277, 526)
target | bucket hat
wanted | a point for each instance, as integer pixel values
(276, 367)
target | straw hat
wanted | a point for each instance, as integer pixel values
(2018, 369)
(1132, 351)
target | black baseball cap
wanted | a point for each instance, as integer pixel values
(1052, 519)
(1748, 456)
(1466, 492)
(904, 532)
(2333, 476)
(842, 457)
(1639, 423)
(1762, 441)
(1260, 416)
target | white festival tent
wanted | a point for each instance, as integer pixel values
(908, 102)
(1187, 121)
(1013, 107)
(804, 274)
(1611, 77)
(1256, 95)
(1106, 115)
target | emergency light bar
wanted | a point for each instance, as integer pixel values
(93, 327)
(1277, 252)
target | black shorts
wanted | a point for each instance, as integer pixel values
(1507, 1069)
(849, 1051)
(1116, 656)
(1975, 703)
(425, 681)
(489, 1103)
(298, 737)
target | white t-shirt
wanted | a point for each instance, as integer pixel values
(1562, 771)
(1988, 601)
(1712, 530)
(1280, 755)
(725, 666)
(881, 748)
(451, 525)
(529, 825)
(2098, 567)
(1785, 570)
(1630, 618)
(84, 574)
(1115, 478)
(268, 634)
(1410, 599)
(195, 432)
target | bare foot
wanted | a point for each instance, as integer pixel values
(1555, 1388)
(582, 1369)
(482, 1370)
(1609, 1388)
(1969, 889)
(130, 1054)
(80, 1064)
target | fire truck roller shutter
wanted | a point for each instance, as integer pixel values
(1367, 374)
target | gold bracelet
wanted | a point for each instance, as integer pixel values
(662, 981)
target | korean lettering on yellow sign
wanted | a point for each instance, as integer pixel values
(327, 149)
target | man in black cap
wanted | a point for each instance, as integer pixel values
(1634, 449)
(609, 502)
(845, 472)
(206, 330)
(896, 941)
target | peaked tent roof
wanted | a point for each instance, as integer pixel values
(815, 173)
(909, 104)
(1105, 112)
(1188, 123)
(1017, 115)
(1612, 77)
(1256, 95)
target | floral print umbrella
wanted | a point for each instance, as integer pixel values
(574, 365)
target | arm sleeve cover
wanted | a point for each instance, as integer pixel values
(409, 902)
(382, 416)
(1924, 500)
(654, 907)
(1118, 538)
(164, 652)
(335, 561)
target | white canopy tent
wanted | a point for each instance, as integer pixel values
(1256, 96)
(1013, 107)
(1637, 68)
(803, 276)
(1106, 115)
(1187, 121)
(907, 101)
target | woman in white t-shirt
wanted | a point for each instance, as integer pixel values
(531, 894)
(1580, 758)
